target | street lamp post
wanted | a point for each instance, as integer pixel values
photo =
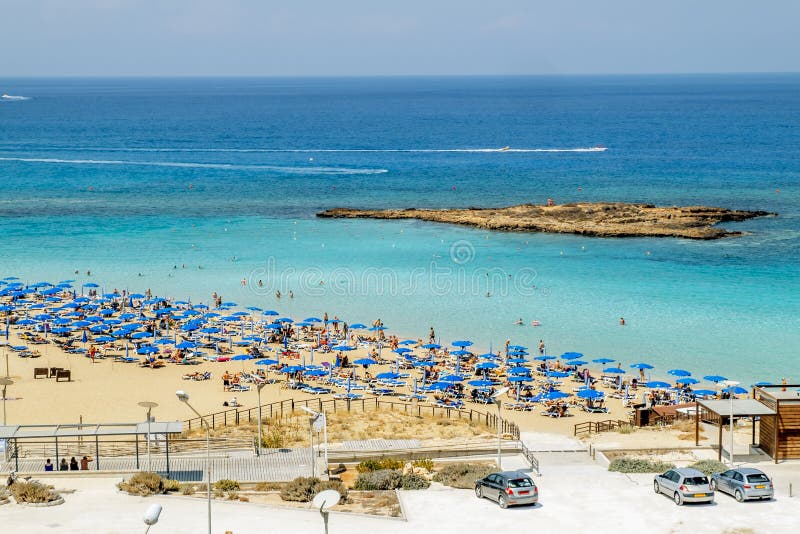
(731, 384)
(315, 419)
(259, 387)
(184, 398)
(5, 382)
(149, 405)
(498, 402)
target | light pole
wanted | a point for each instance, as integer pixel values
(149, 405)
(184, 398)
(5, 382)
(316, 420)
(732, 384)
(259, 387)
(498, 402)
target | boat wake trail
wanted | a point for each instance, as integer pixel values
(14, 98)
(223, 166)
(323, 150)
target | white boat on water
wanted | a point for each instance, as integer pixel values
(12, 97)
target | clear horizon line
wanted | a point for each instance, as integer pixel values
(333, 76)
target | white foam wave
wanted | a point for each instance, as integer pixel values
(324, 150)
(225, 166)
(12, 97)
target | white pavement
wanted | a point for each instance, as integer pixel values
(577, 495)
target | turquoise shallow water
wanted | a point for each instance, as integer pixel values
(140, 176)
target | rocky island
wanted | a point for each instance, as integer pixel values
(603, 219)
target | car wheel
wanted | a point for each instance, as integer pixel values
(677, 498)
(713, 485)
(479, 492)
(738, 495)
(656, 487)
(503, 501)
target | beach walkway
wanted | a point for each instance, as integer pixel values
(272, 465)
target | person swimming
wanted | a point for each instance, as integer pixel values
(519, 322)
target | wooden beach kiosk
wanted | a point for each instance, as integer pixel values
(776, 409)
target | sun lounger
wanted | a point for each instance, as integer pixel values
(41, 372)
(350, 396)
(239, 387)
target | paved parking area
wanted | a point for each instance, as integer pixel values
(577, 495)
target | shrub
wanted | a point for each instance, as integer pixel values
(626, 429)
(233, 496)
(32, 492)
(639, 465)
(709, 467)
(170, 485)
(378, 465)
(143, 484)
(273, 439)
(269, 486)
(413, 481)
(226, 484)
(187, 489)
(462, 475)
(300, 489)
(423, 463)
(385, 479)
(303, 489)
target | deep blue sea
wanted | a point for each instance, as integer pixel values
(187, 186)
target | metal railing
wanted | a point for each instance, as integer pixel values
(599, 426)
(290, 407)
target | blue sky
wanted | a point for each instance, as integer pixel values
(382, 37)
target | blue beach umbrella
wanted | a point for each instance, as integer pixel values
(440, 385)
(407, 342)
(431, 346)
(704, 392)
(555, 395)
(614, 370)
(515, 361)
(241, 357)
(387, 376)
(714, 378)
(267, 361)
(577, 362)
(344, 348)
(735, 390)
(590, 394)
(480, 383)
(679, 372)
(656, 384)
(603, 360)
(641, 366)
(461, 343)
(519, 378)
(557, 374)
(487, 365)
(687, 380)
(544, 358)
(451, 378)
(571, 355)
(518, 371)
(365, 361)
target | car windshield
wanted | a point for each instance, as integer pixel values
(695, 481)
(760, 477)
(520, 483)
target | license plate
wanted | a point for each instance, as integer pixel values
(761, 486)
(523, 492)
(699, 494)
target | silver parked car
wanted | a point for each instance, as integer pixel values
(684, 485)
(744, 483)
(508, 488)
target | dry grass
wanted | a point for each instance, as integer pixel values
(686, 429)
(344, 426)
